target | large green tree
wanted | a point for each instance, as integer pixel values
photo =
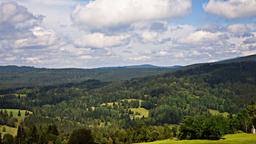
(81, 136)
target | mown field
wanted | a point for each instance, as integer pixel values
(240, 138)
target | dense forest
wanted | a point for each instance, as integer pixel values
(14, 77)
(203, 101)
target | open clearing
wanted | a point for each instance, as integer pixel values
(241, 138)
(11, 130)
(216, 112)
(140, 112)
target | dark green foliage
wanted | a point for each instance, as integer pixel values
(13, 77)
(33, 135)
(247, 118)
(21, 135)
(165, 114)
(1, 138)
(52, 129)
(103, 106)
(81, 136)
(203, 127)
(8, 139)
(19, 114)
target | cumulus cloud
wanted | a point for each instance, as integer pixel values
(99, 14)
(199, 37)
(21, 29)
(14, 15)
(231, 9)
(100, 40)
(241, 27)
(41, 38)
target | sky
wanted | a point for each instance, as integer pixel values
(104, 33)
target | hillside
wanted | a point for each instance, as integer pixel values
(135, 110)
(12, 77)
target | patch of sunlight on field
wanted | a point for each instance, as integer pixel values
(241, 138)
(216, 112)
(142, 112)
(133, 100)
(15, 113)
(11, 130)
(8, 130)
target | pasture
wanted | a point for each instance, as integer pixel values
(241, 138)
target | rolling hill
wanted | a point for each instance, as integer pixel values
(12, 77)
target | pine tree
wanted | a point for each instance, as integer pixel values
(19, 113)
(0, 138)
(34, 136)
(20, 135)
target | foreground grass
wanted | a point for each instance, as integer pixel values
(240, 138)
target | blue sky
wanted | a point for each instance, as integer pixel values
(100, 33)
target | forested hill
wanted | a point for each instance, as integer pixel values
(15, 77)
(128, 111)
(241, 69)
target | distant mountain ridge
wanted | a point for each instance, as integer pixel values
(23, 76)
(251, 58)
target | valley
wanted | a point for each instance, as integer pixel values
(204, 101)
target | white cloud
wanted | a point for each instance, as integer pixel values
(140, 58)
(199, 37)
(149, 36)
(241, 27)
(32, 60)
(231, 8)
(100, 40)
(99, 14)
(41, 38)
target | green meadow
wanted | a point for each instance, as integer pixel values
(13, 130)
(241, 138)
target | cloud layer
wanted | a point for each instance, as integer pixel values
(231, 9)
(99, 14)
(97, 33)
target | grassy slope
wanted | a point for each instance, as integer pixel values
(141, 112)
(11, 130)
(240, 138)
(216, 112)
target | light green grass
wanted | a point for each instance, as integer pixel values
(216, 112)
(240, 138)
(133, 100)
(8, 130)
(21, 95)
(11, 130)
(111, 104)
(142, 112)
(15, 113)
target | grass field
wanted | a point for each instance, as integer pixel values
(216, 112)
(240, 138)
(15, 113)
(141, 112)
(11, 130)
(8, 130)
